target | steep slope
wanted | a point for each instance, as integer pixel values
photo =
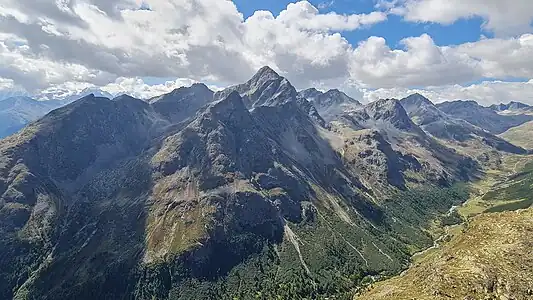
(384, 143)
(482, 117)
(60, 215)
(111, 199)
(265, 88)
(490, 259)
(330, 104)
(17, 112)
(268, 88)
(456, 131)
(310, 94)
(520, 135)
(209, 198)
(182, 102)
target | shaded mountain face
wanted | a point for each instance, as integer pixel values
(310, 94)
(421, 110)
(17, 112)
(183, 102)
(445, 127)
(113, 199)
(268, 88)
(330, 104)
(483, 117)
(265, 88)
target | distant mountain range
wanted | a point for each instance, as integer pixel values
(512, 107)
(457, 127)
(483, 117)
(17, 112)
(256, 191)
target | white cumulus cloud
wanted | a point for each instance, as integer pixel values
(502, 17)
(113, 45)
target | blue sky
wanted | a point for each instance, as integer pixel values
(393, 30)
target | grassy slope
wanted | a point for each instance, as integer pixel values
(488, 256)
(520, 135)
(491, 258)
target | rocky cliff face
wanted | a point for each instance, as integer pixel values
(265, 88)
(454, 130)
(183, 102)
(330, 104)
(248, 194)
(383, 136)
(482, 117)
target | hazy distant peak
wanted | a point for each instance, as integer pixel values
(416, 99)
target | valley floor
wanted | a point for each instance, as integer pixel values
(488, 256)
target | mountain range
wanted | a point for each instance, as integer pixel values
(17, 112)
(512, 108)
(254, 192)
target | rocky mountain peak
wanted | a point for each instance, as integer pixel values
(184, 91)
(336, 96)
(421, 110)
(481, 116)
(183, 102)
(310, 94)
(389, 106)
(230, 111)
(390, 110)
(265, 74)
(416, 99)
(512, 106)
(233, 102)
(331, 104)
(265, 88)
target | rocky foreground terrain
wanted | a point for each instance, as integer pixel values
(255, 192)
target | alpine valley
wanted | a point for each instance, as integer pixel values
(261, 191)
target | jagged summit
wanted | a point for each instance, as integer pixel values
(265, 88)
(383, 108)
(511, 106)
(481, 116)
(330, 97)
(416, 99)
(446, 127)
(310, 94)
(421, 110)
(182, 102)
(265, 73)
(183, 91)
(229, 105)
(331, 104)
(382, 114)
(336, 96)
(179, 196)
(390, 110)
